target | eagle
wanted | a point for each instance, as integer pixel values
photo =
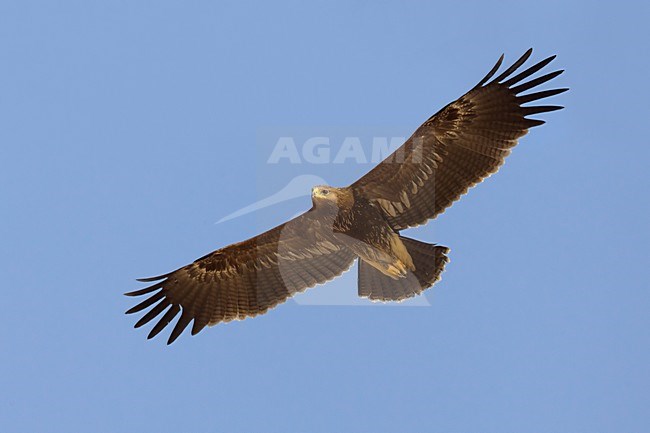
(455, 149)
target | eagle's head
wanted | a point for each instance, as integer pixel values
(323, 194)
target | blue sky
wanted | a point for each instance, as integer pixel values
(129, 128)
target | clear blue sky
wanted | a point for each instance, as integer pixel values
(129, 128)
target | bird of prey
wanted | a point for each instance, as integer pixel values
(455, 149)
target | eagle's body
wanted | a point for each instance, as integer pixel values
(361, 226)
(452, 151)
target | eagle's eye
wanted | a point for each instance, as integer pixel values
(325, 192)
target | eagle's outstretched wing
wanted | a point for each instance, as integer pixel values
(245, 279)
(457, 147)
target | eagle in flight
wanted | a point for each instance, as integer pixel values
(456, 148)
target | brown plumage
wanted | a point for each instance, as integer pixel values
(452, 151)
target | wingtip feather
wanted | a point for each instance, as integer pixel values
(150, 279)
(514, 66)
(531, 123)
(527, 111)
(197, 326)
(523, 99)
(536, 82)
(182, 323)
(146, 290)
(493, 71)
(164, 321)
(155, 311)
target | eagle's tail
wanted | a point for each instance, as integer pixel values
(429, 261)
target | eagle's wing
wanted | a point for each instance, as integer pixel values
(457, 147)
(245, 279)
